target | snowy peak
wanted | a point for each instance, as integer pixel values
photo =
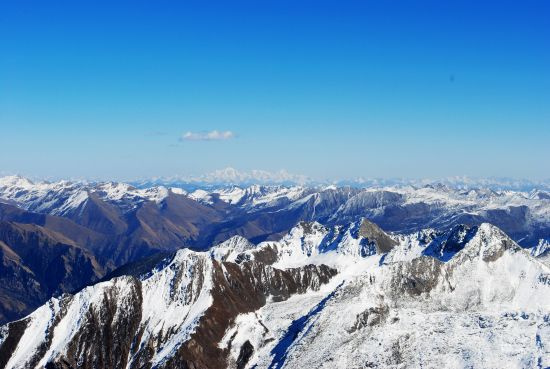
(171, 317)
(15, 181)
(168, 303)
(229, 250)
(43, 197)
(402, 209)
(374, 234)
(487, 242)
(128, 197)
(232, 176)
(254, 197)
(415, 312)
(539, 194)
(321, 290)
(63, 197)
(312, 242)
(541, 249)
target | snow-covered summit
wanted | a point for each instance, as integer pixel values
(400, 208)
(62, 197)
(55, 198)
(229, 250)
(414, 311)
(542, 248)
(311, 299)
(273, 209)
(192, 296)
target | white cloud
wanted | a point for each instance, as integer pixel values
(214, 135)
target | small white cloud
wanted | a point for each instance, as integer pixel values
(214, 135)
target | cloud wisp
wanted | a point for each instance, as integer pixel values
(214, 135)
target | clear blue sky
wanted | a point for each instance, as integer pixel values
(323, 88)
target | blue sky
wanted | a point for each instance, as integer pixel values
(329, 89)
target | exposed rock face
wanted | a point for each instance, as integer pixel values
(172, 318)
(376, 235)
(117, 223)
(242, 289)
(370, 317)
(311, 299)
(86, 244)
(244, 355)
(412, 312)
(11, 335)
(36, 263)
(414, 278)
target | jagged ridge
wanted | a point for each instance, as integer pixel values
(234, 305)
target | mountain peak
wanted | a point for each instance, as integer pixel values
(229, 250)
(15, 180)
(373, 233)
(541, 249)
(488, 242)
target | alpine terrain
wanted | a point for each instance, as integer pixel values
(58, 237)
(321, 296)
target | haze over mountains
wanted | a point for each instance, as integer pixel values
(396, 251)
(232, 176)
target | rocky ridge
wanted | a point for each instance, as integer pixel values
(321, 296)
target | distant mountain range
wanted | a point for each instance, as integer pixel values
(233, 177)
(230, 176)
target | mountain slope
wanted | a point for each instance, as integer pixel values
(487, 306)
(319, 297)
(170, 317)
(262, 212)
(101, 231)
(118, 223)
(37, 263)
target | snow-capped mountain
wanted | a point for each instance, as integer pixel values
(63, 197)
(112, 224)
(57, 237)
(486, 306)
(523, 215)
(339, 296)
(233, 177)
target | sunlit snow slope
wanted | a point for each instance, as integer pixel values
(323, 297)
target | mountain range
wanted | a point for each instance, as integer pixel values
(321, 296)
(113, 275)
(56, 237)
